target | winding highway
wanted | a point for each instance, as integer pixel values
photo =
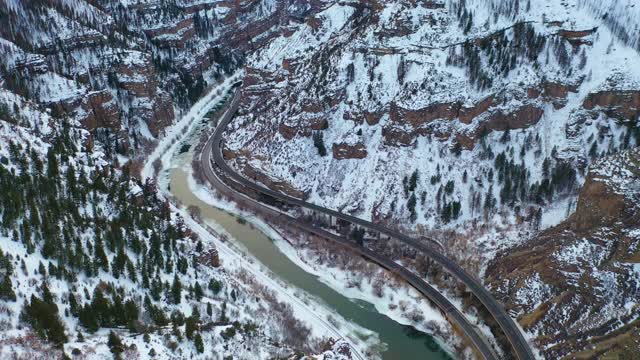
(213, 150)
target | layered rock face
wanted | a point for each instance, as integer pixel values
(424, 88)
(124, 69)
(439, 120)
(621, 105)
(576, 285)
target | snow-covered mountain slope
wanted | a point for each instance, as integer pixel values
(471, 121)
(397, 89)
(576, 286)
(126, 69)
(95, 264)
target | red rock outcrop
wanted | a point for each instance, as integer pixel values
(139, 79)
(173, 35)
(343, 151)
(406, 125)
(557, 93)
(577, 270)
(100, 111)
(287, 132)
(304, 127)
(161, 114)
(373, 118)
(499, 121)
(598, 205)
(446, 111)
(277, 185)
(576, 34)
(468, 114)
(621, 105)
(521, 118)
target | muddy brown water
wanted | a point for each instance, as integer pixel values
(397, 342)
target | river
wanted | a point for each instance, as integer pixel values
(399, 342)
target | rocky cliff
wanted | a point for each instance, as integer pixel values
(475, 122)
(126, 69)
(396, 88)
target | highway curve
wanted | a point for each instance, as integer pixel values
(511, 330)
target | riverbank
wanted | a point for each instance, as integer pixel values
(399, 302)
(402, 303)
(324, 326)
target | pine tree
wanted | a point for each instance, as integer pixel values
(413, 181)
(73, 305)
(197, 290)
(411, 205)
(101, 307)
(6, 287)
(43, 317)
(52, 165)
(131, 311)
(156, 289)
(215, 286)
(223, 313)
(318, 142)
(176, 290)
(101, 260)
(197, 341)
(191, 325)
(115, 343)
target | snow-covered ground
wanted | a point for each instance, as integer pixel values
(360, 69)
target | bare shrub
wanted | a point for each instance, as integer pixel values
(403, 305)
(377, 286)
(195, 213)
(157, 166)
(416, 316)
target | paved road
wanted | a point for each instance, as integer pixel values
(450, 311)
(520, 346)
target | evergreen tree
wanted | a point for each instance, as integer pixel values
(413, 181)
(156, 289)
(197, 290)
(191, 325)
(100, 256)
(115, 343)
(43, 318)
(176, 290)
(223, 313)
(131, 311)
(197, 341)
(6, 287)
(318, 142)
(88, 319)
(215, 286)
(411, 205)
(73, 305)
